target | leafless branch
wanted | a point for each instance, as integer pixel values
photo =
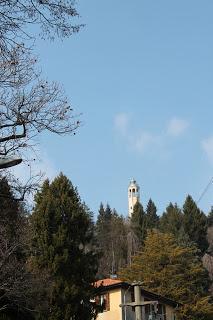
(29, 105)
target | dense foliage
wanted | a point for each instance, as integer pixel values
(111, 241)
(138, 222)
(62, 244)
(162, 258)
(195, 224)
(152, 218)
(49, 262)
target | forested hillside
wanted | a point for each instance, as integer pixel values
(175, 245)
(120, 238)
(50, 256)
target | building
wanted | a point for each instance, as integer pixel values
(133, 196)
(113, 292)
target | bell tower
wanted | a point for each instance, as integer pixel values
(133, 195)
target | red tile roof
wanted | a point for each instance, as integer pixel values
(107, 282)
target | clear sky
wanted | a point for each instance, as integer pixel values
(141, 74)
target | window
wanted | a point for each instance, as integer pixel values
(103, 302)
(150, 311)
(161, 313)
(132, 298)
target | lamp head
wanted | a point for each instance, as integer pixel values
(6, 162)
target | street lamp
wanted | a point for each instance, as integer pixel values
(6, 162)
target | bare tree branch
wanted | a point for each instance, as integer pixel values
(28, 104)
(54, 17)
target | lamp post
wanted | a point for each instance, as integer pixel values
(6, 162)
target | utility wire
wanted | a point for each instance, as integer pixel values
(205, 190)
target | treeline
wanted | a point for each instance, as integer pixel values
(171, 254)
(120, 238)
(51, 255)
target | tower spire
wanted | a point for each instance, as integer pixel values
(133, 196)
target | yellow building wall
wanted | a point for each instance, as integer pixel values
(115, 312)
(116, 297)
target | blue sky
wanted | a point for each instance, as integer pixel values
(141, 74)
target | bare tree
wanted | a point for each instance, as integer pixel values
(25, 113)
(20, 289)
(28, 104)
(54, 17)
(28, 107)
(51, 17)
(12, 282)
(17, 67)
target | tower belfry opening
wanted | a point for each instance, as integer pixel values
(133, 195)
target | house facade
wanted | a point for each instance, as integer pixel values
(114, 294)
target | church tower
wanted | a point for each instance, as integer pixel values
(133, 195)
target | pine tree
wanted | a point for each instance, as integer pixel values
(195, 224)
(62, 245)
(103, 234)
(138, 222)
(174, 271)
(152, 218)
(108, 213)
(104, 220)
(171, 221)
(119, 241)
(111, 239)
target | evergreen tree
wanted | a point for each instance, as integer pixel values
(62, 245)
(171, 221)
(138, 222)
(119, 242)
(103, 234)
(108, 214)
(174, 271)
(152, 218)
(195, 224)
(111, 239)
(104, 220)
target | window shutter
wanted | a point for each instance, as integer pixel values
(97, 300)
(107, 302)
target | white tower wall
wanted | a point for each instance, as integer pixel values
(133, 196)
